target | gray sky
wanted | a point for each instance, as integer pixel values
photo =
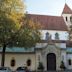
(46, 7)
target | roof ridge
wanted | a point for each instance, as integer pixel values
(43, 15)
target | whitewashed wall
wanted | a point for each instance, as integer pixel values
(61, 45)
(63, 35)
(68, 23)
(20, 59)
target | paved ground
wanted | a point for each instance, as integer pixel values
(55, 71)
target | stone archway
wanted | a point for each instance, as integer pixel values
(51, 61)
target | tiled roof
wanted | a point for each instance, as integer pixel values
(49, 22)
(67, 10)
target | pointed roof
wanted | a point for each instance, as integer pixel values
(49, 22)
(67, 10)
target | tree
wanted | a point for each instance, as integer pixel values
(29, 33)
(13, 32)
(10, 12)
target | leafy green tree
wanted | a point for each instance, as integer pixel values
(10, 13)
(7, 26)
(29, 32)
(13, 30)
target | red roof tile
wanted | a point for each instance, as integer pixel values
(67, 10)
(49, 22)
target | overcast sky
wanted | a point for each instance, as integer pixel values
(46, 7)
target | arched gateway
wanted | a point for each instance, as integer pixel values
(51, 61)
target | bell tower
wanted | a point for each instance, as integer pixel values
(67, 15)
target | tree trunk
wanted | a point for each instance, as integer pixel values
(3, 55)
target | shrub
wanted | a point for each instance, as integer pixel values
(62, 66)
(40, 66)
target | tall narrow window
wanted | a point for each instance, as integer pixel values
(56, 36)
(66, 19)
(47, 36)
(28, 62)
(71, 19)
(13, 62)
(69, 61)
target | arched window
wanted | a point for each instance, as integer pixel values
(69, 61)
(56, 36)
(13, 62)
(66, 19)
(47, 36)
(28, 62)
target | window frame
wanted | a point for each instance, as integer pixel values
(69, 61)
(28, 62)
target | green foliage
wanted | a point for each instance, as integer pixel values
(10, 14)
(12, 6)
(40, 67)
(62, 66)
(7, 28)
(28, 33)
(9, 24)
(13, 32)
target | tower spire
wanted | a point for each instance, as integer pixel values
(65, 1)
(67, 9)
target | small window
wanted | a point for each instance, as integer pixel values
(28, 62)
(56, 36)
(69, 61)
(66, 19)
(47, 36)
(13, 62)
(71, 19)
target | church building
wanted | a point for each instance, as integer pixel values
(53, 49)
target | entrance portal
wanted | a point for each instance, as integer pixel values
(51, 61)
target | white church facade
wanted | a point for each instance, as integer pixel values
(54, 47)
